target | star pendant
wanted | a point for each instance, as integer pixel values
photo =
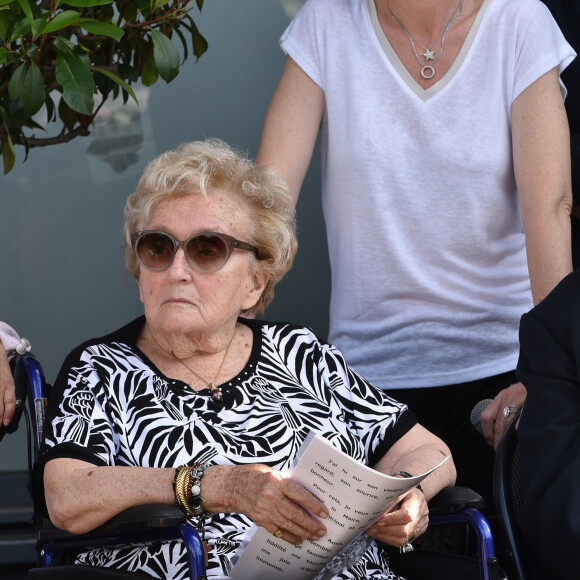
(429, 54)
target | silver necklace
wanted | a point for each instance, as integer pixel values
(427, 67)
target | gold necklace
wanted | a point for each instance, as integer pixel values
(214, 391)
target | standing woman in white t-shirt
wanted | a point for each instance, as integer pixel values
(443, 138)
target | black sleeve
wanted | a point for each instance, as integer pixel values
(549, 430)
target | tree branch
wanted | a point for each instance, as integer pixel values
(32, 142)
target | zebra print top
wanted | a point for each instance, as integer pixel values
(111, 405)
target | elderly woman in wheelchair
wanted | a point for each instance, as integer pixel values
(197, 403)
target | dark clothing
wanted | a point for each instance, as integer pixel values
(549, 431)
(446, 412)
(567, 14)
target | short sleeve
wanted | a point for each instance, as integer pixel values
(304, 37)
(77, 414)
(540, 47)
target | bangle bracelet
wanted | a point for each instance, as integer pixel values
(406, 475)
(187, 487)
(181, 490)
(196, 473)
(177, 469)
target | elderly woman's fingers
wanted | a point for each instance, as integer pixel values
(287, 512)
(405, 523)
(291, 533)
(279, 504)
(296, 522)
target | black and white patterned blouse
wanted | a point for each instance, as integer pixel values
(111, 405)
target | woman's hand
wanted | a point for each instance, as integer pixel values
(405, 523)
(268, 496)
(493, 420)
(7, 396)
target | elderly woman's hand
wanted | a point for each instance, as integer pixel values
(405, 523)
(269, 497)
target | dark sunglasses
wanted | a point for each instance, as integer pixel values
(207, 252)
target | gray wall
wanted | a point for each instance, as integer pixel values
(62, 274)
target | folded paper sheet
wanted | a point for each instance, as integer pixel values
(355, 495)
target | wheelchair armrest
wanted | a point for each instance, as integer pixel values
(145, 523)
(135, 522)
(148, 516)
(450, 500)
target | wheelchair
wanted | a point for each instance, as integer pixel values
(452, 506)
(138, 524)
(508, 493)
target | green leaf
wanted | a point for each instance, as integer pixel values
(118, 80)
(16, 84)
(3, 54)
(34, 93)
(8, 155)
(27, 9)
(64, 45)
(183, 42)
(59, 22)
(143, 5)
(199, 42)
(16, 115)
(85, 3)
(150, 73)
(160, 3)
(50, 110)
(22, 28)
(34, 125)
(7, 149)
(101, 28)
(34, 15)
(4, 2)
(75, 78)
(5, 25)
(165, 55)
(128, 72)
(67, 115)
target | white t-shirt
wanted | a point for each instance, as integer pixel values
(426, 241)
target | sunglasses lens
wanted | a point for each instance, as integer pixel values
(155, 251)
(209, 253)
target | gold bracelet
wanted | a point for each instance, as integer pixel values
(177, 469)
(181, 492)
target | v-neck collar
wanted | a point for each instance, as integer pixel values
(425, 94)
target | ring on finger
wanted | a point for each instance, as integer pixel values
(279, 533)
(510, 410)
(407, 546)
